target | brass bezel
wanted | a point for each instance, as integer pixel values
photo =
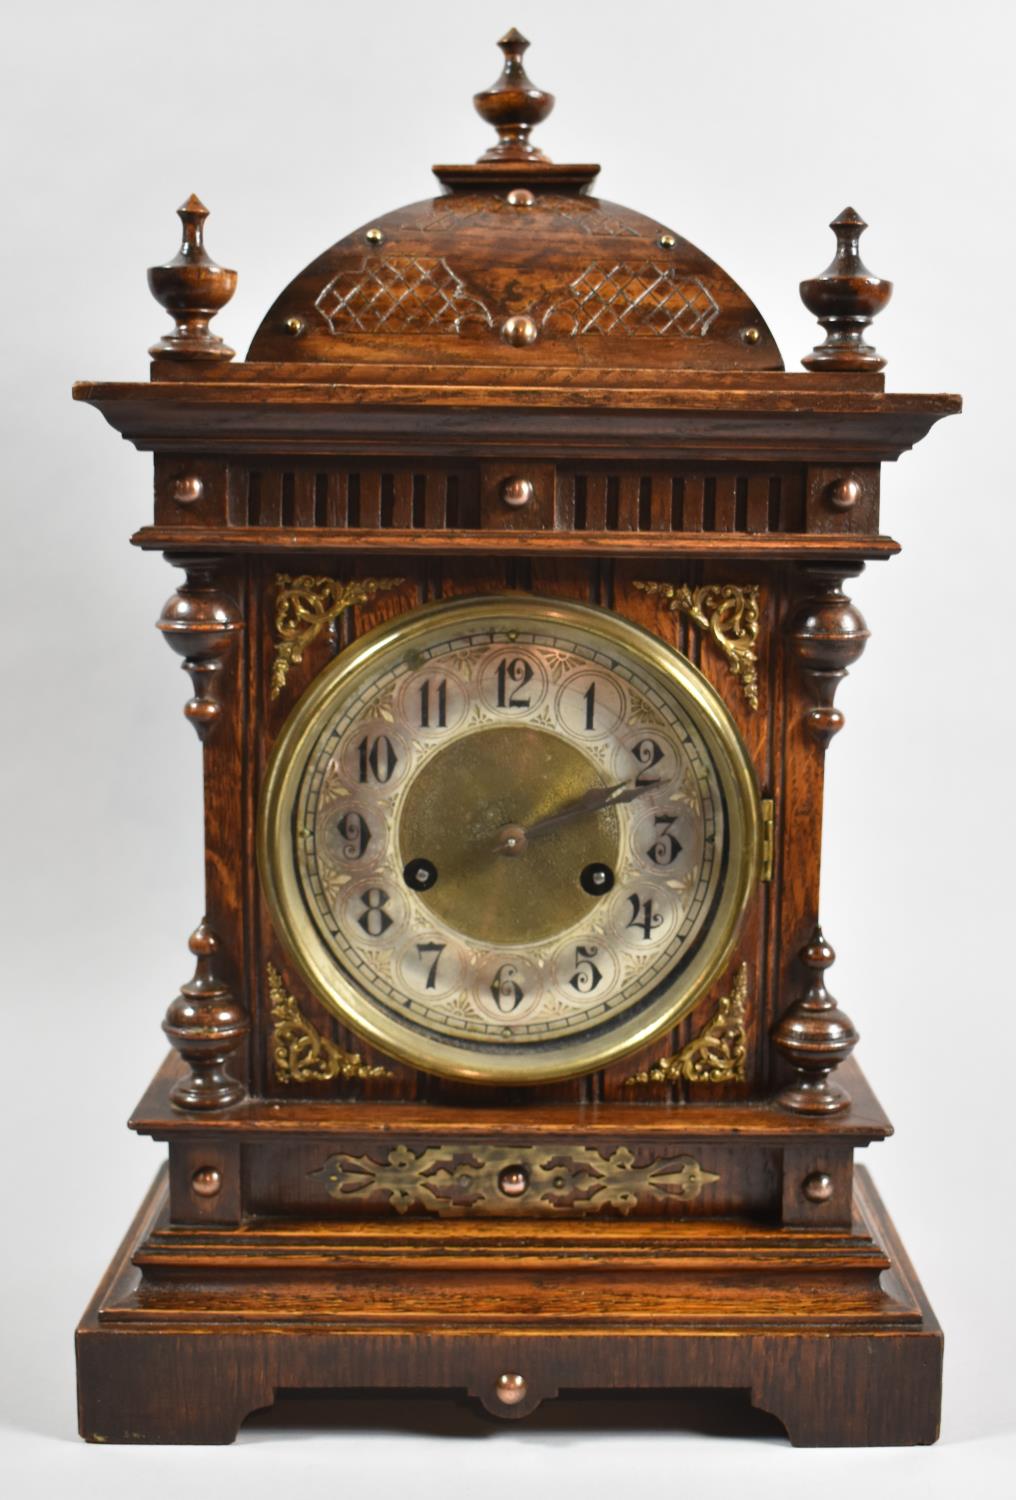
(317, 968)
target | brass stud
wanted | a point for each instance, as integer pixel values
(843, 494)
(513, 1181)
(520, 332)
(521, 198)
(206, 1182)
(374, 236)
(187, 489)
(667, 241)
(517, 492)
(750, 335)
(818, 1187)
(511, 1389)
(294, 326)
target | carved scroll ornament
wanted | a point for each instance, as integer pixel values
(729, 614)
(299, 1051)
(307, 605)
(717, 1054)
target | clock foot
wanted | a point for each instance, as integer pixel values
(845, 1352)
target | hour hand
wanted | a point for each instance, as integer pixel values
(513, 840)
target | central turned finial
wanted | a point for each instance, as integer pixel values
(513, 105)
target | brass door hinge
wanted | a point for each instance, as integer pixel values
(768, 838)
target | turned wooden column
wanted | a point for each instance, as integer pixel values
(206, 1022)
(198, 622)
(827, 634)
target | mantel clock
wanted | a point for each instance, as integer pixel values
(512, 596)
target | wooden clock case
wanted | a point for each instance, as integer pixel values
(513, 386)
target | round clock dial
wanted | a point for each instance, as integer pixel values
(509, 839)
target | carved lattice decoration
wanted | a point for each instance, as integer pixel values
(308, 604)
(591, 218)
(718, 1053)
(641, 300)
(495, 1181)
(299, 1052)
(729, 614)
(582, 214)
(403, 294)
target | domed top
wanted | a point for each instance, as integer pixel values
(516, 263)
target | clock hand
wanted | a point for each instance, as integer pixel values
(514, 838)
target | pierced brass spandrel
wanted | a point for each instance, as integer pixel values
(305, 606)
(299, 1051)
(718, 1053)
(729, 614)
(499, 1181)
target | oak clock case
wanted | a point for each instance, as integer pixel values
(514, 593)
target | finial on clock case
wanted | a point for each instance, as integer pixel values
(193, 289)
(845, 298)
(513, 105)
(815, 1036)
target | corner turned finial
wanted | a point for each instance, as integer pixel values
(513, 105)
(815, 1036)
(193, 289)
(206, 1024)
(845, 298)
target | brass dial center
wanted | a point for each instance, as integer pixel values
(465, 804)
(511, 840)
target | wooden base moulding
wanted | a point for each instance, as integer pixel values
(192, 1329)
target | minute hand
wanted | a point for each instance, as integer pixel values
(593, 801)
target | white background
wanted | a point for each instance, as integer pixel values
(746, 127)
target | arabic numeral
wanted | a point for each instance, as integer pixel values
(513, 675)
(665, 847)
(436, 703)
(374, 920)
(355, 835)
(589, 699)
(648, 754)
(507, 993)
(587, 976)
(427, 948)
(644, 917)
(377, 759)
